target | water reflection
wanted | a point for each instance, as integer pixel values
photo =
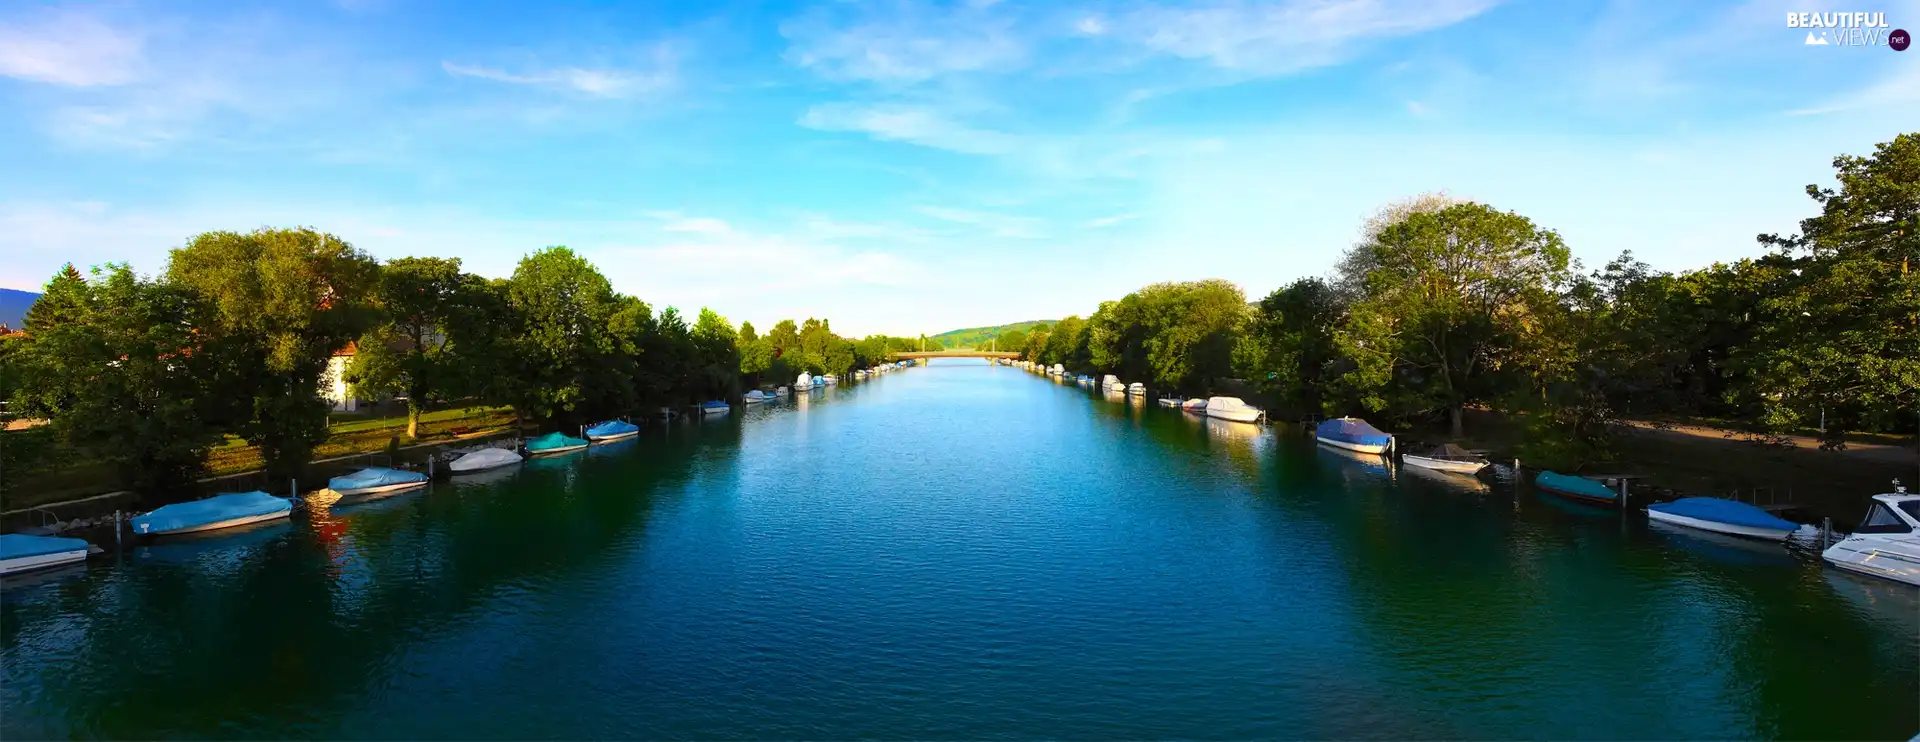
(1722, 548)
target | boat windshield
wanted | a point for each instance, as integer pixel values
(1881, 519)
(1912, 507)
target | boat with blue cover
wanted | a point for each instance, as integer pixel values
(554, 443)
(1353, 434)
(715, 407)
(220, 511)
(20, 552)
(611, 430)
(1721, 515)
(1576, 488)
(377, 480)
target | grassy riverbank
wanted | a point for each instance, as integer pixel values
(347, 435)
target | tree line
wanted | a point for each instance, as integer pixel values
(1443, 305)
(149, 373)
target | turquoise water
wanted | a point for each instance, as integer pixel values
(957, 551)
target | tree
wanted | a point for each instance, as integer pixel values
(1453, 298)
(717, 354)
(564, 307)
(1288, 346)
(1848, 342)
(280, 302)
(1067, 344)
(1011, 341)
(1035, 344)
(433, 314)
(124, 377)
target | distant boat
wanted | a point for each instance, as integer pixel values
(376, 481)
(832, 380)
(1057, 370)
(1447, 457)
(218, 511)
(1195, 405)
(715, 407)
(20, 552)
(1353, 434)
(483, 460)
(756, 397)
(783, 392)
(1886, 543)
(1116, 387)
(554, 443)
(1170, 402)
(1721, 515)
(803, 383)
(1576, 488)
(611, 430)
(1231, 408)
(1137, 389)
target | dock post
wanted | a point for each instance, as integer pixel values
(293, 488)
(116, 530)
(1826, 532)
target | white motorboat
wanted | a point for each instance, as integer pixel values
(783, 392)
(803, 383)
(1196, 406)
(483, 459)
(20, 552)
(1886, 543)
(1447, 457)
(1117, 387)
(1231, 408)
(1137, 389)
(1171, 402)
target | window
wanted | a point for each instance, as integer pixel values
(1912, 508)
(1881, 519)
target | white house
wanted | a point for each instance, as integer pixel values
(333, 386)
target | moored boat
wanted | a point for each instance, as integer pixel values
(756, 397)
(1195, 405)
(611, 430)
(1447, 457)
(1887, 542)
(1171, 402)
(1353, 434)
(20, 552)
(1721, 515)
(1136, 389)
(376, 480)
(1232, 408)
(554, 443)
(715, 407)
(220, 511)
(484, 459)
(1576, 488)
(803, 383)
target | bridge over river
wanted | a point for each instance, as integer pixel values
(930, 354)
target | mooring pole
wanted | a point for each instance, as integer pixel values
(116, 530)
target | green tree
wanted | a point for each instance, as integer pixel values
(1288, 346)
(1011, 341)
(1848, 341)
(433, 314)
(280, 302)
(1067, 344)
(1454, 301)
(717, 353)
(564, 307)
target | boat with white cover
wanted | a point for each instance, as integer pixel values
(1886, 544)
(1447, 457)
(1721, 515)
(484, 459)
(1136, 389)
(20, 552)
(220, 511)
(1232, 408)
(376, 480)
(610, 431)
(803, 383)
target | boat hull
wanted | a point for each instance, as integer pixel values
(715, 410)
(42, 561)
(1578, 496)
(557, 451)
(228, 523)
(1458, 467)
(1351, 446)
(1730, 529)
(1245, 415)
(477, 469)
(1169, 403)
(1874, 557)
(384, 489)
(613, 437)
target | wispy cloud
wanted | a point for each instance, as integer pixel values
(600, 82)
(902, 122)
(1108, 221)
(994, 224)
(1284, 37)
(1900, 88)
(904, 43)
(68, 49)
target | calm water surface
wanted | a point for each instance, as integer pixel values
(957, 551)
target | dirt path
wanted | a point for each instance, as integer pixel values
(1877, 452)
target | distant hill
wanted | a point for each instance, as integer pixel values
(978, 337)
(13, 307)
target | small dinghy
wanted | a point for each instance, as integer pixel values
(1231, 408)
(1576, 488)
(1195, 405)
(376, 481)
(1353, 434)
(20, 552)
(611, 430)
(219, 511)
(715, 407)
(1171, 402)
(1721, 515)
(554, 443)
(483, 460)
(1447, 457)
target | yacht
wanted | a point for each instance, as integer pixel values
(1887, 543)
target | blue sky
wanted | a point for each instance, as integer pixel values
(910, 167)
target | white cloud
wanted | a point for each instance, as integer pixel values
(68, 49)
(995, 224)
(1284, 37)
(1417, 108)
(900, 122)
(599, 83)
(907, 43)
(1092, 25)
(1108, 221)
(697, 225)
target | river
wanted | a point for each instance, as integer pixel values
(957, 551)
